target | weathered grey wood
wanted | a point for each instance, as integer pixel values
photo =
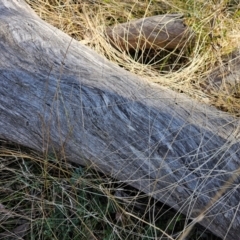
(56, 94)
(161, 31)
(225, 78)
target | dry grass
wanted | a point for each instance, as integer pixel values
(215, 23)
(43, 197)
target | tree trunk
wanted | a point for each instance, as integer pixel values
(57, 95)
(156, 32)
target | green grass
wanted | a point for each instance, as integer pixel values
(46, 198)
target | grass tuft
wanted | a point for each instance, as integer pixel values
(43, 197)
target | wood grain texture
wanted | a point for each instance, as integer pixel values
(162, 31)
(58, 95)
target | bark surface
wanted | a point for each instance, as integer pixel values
(58, 95)
(156, 32)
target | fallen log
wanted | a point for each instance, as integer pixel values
(225, 78)
(156, 32)
(58, 95)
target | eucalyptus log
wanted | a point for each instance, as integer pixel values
(58, 95)
(162, 31)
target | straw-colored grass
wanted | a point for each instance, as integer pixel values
(215, 23)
